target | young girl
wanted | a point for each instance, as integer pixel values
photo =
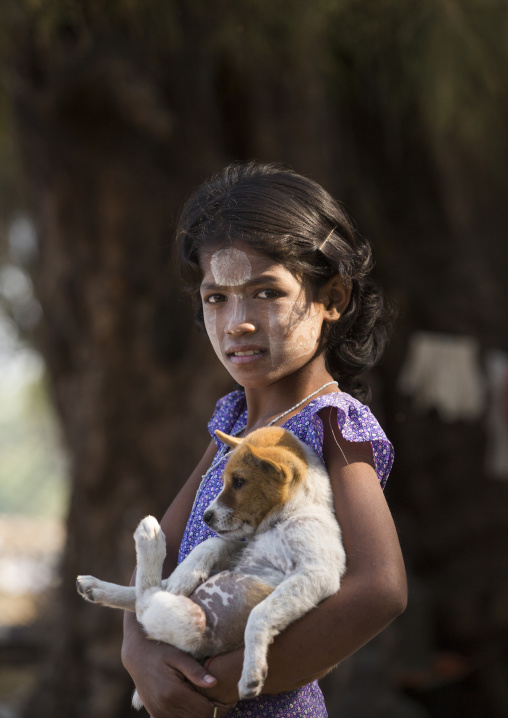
(281, 286)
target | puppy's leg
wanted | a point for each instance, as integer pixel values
(151, 549)
(106, 594)
(292, 598)
(165, 617)
(150, 554)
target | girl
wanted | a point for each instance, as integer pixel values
(281, 285)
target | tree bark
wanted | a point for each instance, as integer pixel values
(133, 380)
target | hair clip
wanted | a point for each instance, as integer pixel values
(327, 238)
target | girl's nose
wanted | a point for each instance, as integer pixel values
(238, 322)
(244, 327)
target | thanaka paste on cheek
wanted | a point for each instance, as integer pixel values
(210, 319)
(294, 332)
(230, 267)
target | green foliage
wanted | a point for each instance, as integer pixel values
(445, 62)
(160, 27)
(448, 59)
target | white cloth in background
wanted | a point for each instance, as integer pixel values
(497, 417)
(442, 372)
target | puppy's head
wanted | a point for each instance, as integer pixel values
(262, 472)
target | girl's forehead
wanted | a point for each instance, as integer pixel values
(237, 264)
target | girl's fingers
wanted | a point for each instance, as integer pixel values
(177, 699)
(191, 670)
(165, 678)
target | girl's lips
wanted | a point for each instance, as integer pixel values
(245, 356)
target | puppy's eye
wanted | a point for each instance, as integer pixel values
(237, 482)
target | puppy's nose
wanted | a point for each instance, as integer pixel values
(208, 517)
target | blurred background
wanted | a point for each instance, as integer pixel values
(110, 112)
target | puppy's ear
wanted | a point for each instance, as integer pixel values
(231, 441)
(266, 465)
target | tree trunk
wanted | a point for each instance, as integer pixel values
(134, 382)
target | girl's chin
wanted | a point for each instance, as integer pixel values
(252, 376)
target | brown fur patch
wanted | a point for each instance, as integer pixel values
(269, 463)
(268, 437)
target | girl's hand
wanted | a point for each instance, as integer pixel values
(165, 678)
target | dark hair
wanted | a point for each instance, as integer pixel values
(288, 217)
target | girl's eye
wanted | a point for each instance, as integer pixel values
(268, 294)
(237, 482)
(215, 299)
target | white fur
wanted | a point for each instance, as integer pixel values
(297, 550)
(181, 632)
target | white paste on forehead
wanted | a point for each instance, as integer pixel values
(230, 267)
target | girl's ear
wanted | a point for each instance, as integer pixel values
(335, 296)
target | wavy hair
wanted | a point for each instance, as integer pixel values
(295, 222)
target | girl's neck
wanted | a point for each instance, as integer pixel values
(265, 404)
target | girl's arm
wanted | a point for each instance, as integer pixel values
(161, 672)
(373, 591)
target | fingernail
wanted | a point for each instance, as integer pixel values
(209, 679)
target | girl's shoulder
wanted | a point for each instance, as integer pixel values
(227, 413)
(356, 422)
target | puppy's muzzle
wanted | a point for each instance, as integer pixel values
(221, 518)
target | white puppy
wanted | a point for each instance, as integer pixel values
(278, 553)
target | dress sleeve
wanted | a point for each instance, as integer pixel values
(356, 422)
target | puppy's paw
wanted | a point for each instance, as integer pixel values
(148, 530)
(90, 588)
(252, 680)
(149, 538)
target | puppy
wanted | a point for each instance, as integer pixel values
(278, 552)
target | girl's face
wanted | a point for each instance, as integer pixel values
(261, 320)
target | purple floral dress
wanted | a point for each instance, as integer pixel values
(357, 423)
